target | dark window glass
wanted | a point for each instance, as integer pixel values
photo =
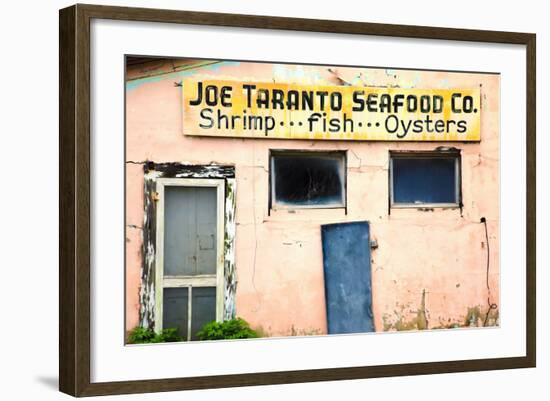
(424, 180)
(175, 309)
(308, 179)
(204, 308)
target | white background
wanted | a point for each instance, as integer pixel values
(28, 335)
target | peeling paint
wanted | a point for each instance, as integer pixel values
(182, 170)
(147, 288)
(421, 318)
(298, 332)
(230, 273)
(475, 316)
(399, 322)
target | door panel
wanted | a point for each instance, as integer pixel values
(174, 311)
(189, 230)
(204, 308)
(346, 264)
(206, 230)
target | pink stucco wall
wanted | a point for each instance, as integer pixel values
(429, 267)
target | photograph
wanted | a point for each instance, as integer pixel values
(275, 199)
(347, 197)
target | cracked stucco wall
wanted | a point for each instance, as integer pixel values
(429, 270)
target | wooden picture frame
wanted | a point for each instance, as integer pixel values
(75, 207)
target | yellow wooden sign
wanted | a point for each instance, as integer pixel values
(291, 111)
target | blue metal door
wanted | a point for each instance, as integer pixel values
(346, 263)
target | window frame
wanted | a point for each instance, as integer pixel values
(273, 205)
(186, 281)
(436, 154)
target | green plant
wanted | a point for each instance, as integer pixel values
(169, 335)
(228, 330)
(142, 335)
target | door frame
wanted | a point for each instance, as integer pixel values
(200, 280)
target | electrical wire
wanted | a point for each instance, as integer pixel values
(491, 306)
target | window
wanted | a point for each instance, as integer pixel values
(429, 179)
(189, 264)
(307, 179)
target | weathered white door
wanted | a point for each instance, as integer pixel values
(190, 260)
